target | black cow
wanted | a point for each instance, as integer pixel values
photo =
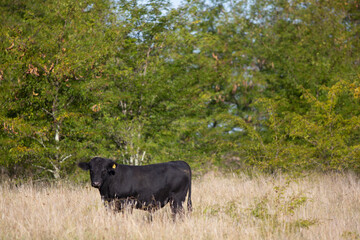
(148, 187)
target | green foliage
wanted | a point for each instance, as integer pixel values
(322, 138)
(280, 210)
(47, 68)
(350, 235)
(264, 84)
(275, 211)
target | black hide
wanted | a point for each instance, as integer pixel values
(148, 187)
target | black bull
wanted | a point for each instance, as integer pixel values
(148, 187)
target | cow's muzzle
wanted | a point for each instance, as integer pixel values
(95, 184)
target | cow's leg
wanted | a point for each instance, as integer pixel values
(128, 205)
(113, 205)
(118, 206)
(109, 204)
(150, 215)
(176, 208)
(151, 209)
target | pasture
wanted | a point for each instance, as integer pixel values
(317, 206)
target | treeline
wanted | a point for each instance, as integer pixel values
(270, 84)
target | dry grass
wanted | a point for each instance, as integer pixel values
(262, 207)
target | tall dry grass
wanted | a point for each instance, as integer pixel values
(225, 207)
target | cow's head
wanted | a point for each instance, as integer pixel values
(100, 169)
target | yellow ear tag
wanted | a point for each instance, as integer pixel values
(114, 166)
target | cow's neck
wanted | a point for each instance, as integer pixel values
(105, 189)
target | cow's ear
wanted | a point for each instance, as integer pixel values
(111, 168)
(84, 165)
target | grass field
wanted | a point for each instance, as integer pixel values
(317, 206)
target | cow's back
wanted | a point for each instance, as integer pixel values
(160, 182)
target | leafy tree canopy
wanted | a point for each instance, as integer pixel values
(271, 84)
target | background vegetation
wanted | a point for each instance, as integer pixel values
(270, 84)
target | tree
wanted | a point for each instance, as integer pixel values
(53, 53)
(306, 51)
(235, 84)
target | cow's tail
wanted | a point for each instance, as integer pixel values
(189, 203)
